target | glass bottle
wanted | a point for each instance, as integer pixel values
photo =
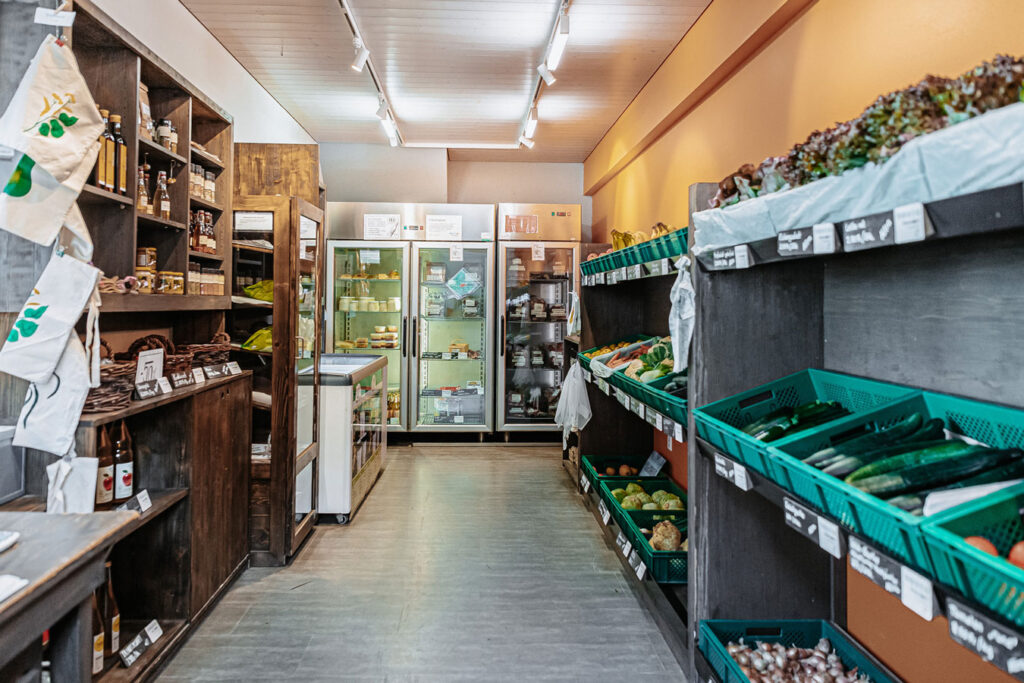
(104, 470)
(213, 233)
(149, 206)
(111, 618)
(120, 181)
(97, 637)
(107, 154)
(174, 139)
(124, 465)
(161, 199)
(142, 200)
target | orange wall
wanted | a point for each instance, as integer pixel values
(826, 65)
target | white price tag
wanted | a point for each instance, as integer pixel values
(627, 547)
(459, 419)
(198, 376)
(622, 275)
(917, 593)
(587, 377)
(445, 355)
(234, 369)
(677, 432)
(739, 477)
(445, 393)
(742, 252)
(463, 355)
(636, 272)
(828, 537)
(605, 512)
(537, 251)
(657, 421)
(584, 483)
(455, 252)
(599, 278)
(638, 408)
(909, 222)
(641, 570)
(144, 501)
(620, 540)
(824, 238)
(154, 631)
(665, 267)
(164, 384)
(51, 17)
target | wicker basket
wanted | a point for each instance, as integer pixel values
(216, 352)
(174, 361)
(117, 380)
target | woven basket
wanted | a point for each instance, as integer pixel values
(174, 361)
(117, 380)
(216, 352)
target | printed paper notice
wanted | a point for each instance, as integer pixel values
(444, 228)
(381, 226)
(254, 221)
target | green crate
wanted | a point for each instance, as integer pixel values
(892, 529)
(650, 394)
(593, 465)
(664, 566)
(989, 581)
(632, 339)
(720, 423)
(631, 256)
(716, 634)
(650, 484)
(587, 267)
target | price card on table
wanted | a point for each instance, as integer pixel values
(184, 379)
(165, 386)
(198, 376)
(606, 515)
(911, 223)
(584, 483)
(233, 368)
(986, 638)
(140, 502)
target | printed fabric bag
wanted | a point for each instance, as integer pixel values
(38, 338)
(48, 144)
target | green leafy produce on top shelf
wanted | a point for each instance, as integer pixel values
(787, 421)
(654, 364)
(261, 340)
(262, 290)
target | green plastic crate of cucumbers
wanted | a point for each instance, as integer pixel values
(873, 472)
(746, 424)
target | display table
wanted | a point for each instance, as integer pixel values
(62, 557)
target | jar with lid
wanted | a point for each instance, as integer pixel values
(145, 258)
(163, 133)
(210, 187)
(164, 282)
(173, 146)
(146, 280)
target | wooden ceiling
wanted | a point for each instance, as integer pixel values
(458, 73)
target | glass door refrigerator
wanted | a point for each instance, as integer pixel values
(368, 311)
(538, 266)
(453, 337)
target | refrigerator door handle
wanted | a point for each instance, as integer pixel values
(501, 345)
(415, 334)
(405, 322)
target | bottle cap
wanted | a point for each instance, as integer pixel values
(104, 113)
(115, 118)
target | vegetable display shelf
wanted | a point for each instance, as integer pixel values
(649, 485)
(974, 213)
(979, 627)
(722, 422)
(671, 424)
(648, 259)
(665, 566)
(594, 465)
(652, 394)
(715, 634)
(890, 527)
(990, 581)
(631, 339)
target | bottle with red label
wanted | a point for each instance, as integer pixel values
(124, 465)
(104, 470)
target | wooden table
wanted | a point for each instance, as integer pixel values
(62, 556)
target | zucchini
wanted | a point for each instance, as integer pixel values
(920, 456)
(865, 459)
(870, 440)
(925, 474)
(1011, 470)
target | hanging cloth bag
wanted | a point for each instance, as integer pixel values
(681, 315)
(573, 411)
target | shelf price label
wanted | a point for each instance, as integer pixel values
(907, 223)
(733, 471)
(587, 377)
(731, 258)
(584, 482)
(917, 593)
(624, 545)
(986, 638)
(655, 461)
(622, 275)
(599, 278)
(810, 525)
(602, 385)
(606, 514)
(880, 569)
(652, 417)
(637, 407)
(911, 223)
(637, 563)
(636, 272)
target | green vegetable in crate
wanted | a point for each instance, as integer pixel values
(930, 472)
(672, 504)
(924, 456)
(843, 466)
(651, 506)
(787, 421)
(658, 495)
(619, 494)
(654, 364)
(631, 503)
(644, 498)
(870, 440)
(633, 487)
(914, 503)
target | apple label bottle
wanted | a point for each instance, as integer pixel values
(124, 465)
(104, 471)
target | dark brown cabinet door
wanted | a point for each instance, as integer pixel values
(220, 486)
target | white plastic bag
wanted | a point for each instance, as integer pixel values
(573, 410)
(49, 416)
(39, 335)
(574, 324)
(681, 316)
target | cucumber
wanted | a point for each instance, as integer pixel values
(1011, 470)
(865, 459)
(871, 440)
(920, 456)
(927, 474)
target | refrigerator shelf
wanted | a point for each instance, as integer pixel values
(452, 319)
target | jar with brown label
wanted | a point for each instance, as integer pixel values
(145, 257)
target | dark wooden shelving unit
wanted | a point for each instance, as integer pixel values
(207, 160)
(162, 222)
(205, 203)
(94, 195)
(158, 152)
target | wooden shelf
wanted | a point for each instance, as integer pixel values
(248, 302)
(135, 303)
(249, 247)
(145, 665)
(306, 266)
(203, 255)
(238, 347)
(159, 152)
(135, 407)
(94, 195)
(206, 159)
(162, 222)
(205, 203)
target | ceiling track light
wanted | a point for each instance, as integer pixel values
(558, 42)
(531, 122)
(382, 110)
(545, 73)
(362, 54)
(388, 124)
(526, 142)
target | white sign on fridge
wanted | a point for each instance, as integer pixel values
(381, 226)
(444, 228)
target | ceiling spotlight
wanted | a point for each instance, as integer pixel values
(527, 142)
(388, 124)
(531, 123)
(362, 54)
(546, 74)
(382, 110)
(558, 42)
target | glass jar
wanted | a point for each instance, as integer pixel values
(163, 133)
(210, 187)
(146, 280)
(145, 258)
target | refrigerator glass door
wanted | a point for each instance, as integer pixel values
(368, 310)
(536, 281)
(453, 336)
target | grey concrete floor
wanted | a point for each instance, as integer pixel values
(465, 563)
